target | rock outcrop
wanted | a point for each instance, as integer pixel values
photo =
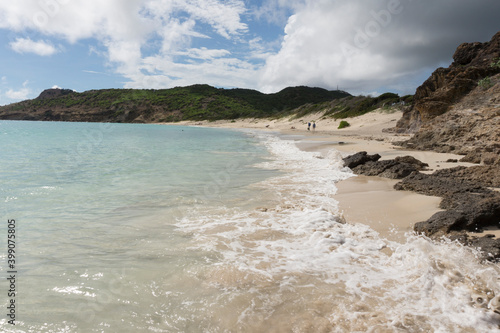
(397, 168)
(360, 158)
(369, 165)
(457, 109)
(470, 129)
(53, 93)
(446, 86)
(469, 203)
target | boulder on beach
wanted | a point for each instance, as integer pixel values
(369, 165)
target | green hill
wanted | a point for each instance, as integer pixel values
(197, 102)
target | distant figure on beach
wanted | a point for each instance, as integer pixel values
(308, 126)
(314, 126)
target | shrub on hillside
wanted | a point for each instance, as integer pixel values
(344, 124)
(485, 83)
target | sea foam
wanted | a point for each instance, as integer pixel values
(298, 248)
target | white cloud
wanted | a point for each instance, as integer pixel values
(75, 20)
(164, 72)
(165, 43)
(276, 11)
(20, 94)
(94, 72)
(204, 53)
(223, 16)
(363, 45)
(26, 45)
(130, 29)
(319, 48)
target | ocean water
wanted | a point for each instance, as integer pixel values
(149, 228)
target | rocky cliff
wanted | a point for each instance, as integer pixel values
(457, 109)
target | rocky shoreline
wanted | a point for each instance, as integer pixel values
(470, 197)
(456, 110)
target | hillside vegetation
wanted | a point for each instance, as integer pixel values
(353, 106)
(197, 102)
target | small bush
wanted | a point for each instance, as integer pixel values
(495, 63)
(344, 124)
(485, 83)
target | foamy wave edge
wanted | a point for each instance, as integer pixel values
(443, 284)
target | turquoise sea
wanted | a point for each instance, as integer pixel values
(153, 228)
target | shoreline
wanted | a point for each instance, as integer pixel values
(362, 199)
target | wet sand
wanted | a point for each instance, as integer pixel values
(362, 199)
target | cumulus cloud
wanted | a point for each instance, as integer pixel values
(21, 94)
(127, 28)
(164, 72)
(26, 45)
(362, 45)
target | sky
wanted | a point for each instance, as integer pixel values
(360, 46)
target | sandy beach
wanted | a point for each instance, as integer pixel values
(362, 199)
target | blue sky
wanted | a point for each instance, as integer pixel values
(364, 47)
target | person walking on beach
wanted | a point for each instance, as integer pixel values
(308, 126)
(314, 126)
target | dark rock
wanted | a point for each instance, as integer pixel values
(369, 165)
(440, 186)
(399, 171)
(359, 158)
(387, 169)
(466, 52)
(373, 168)
(482, 175)
(471, 216)
(470, 205)
(441, 223)
(469, 202)
(451, 160)
(488, 245)
(456, 200)
(411, 160)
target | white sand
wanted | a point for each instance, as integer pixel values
(368, 200)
